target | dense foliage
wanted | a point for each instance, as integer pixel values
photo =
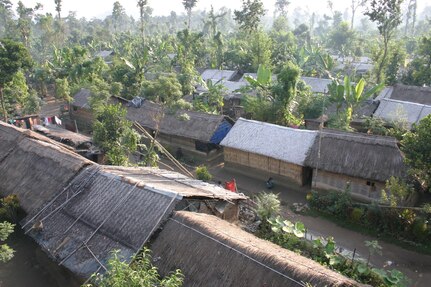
(405, 224)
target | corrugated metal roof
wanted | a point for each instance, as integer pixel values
(283, 143)
(393, 110)
(98, 213)
(170, 180)
(213, 74)
(233, 86)
(104, 54)
(317, 85)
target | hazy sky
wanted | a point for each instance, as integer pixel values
(101, 8)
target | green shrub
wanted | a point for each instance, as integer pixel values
(267, 205)
(420, 229)
(140, 272)
(356, 214)
(202, 173)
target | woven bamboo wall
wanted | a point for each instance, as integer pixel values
(358, 186)
(267, 164)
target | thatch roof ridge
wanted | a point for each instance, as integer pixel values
(278, 142)
(204, 247)
(364, 156)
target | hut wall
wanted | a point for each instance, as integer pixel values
(292, 171)
(274, 166)
(359, 187)
(83, 117)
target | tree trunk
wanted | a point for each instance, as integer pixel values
(382, 61)
(189, 14)
(3, 104)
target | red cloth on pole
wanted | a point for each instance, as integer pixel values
(230, 185)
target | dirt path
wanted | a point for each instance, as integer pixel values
(415, 265)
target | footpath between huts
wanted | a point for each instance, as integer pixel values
(414, 265)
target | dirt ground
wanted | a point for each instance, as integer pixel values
(415, 265)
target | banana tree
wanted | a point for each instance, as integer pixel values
(355, 95)
(263, 81)
(351, 96)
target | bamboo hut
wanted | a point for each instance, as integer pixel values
(191, 132)
(269, 149)
(359, 162)
(80, 111)
(213, 252)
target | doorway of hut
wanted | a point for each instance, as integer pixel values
(307, 176)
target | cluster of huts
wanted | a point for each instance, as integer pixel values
(327, 159)
(79, 212)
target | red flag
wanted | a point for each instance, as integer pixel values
(230, 185)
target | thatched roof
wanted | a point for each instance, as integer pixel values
(414, 94)
(213, 252)
(62, 135)
(169, 180)
(199, 126)
(216, 75)
(357, 155)
(96, 214)
(394, 110)
(80, 99)
(34, 167)
(283, 143)
(317, 85)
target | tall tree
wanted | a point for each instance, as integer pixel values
(387, 15)
(58, 8)
(141, 5)
(419, 70)
(249, 16)
(354, 6)
(213, 20)
(281, 7)
(410, 15)
(25, 17)
(117, 15)
(189, 5)
(114, 134)
(13, 57)
(6, 17)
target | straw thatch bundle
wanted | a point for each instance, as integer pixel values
(213, 252)
(364, 156)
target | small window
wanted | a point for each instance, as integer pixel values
(75, 108)
(371, 183)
